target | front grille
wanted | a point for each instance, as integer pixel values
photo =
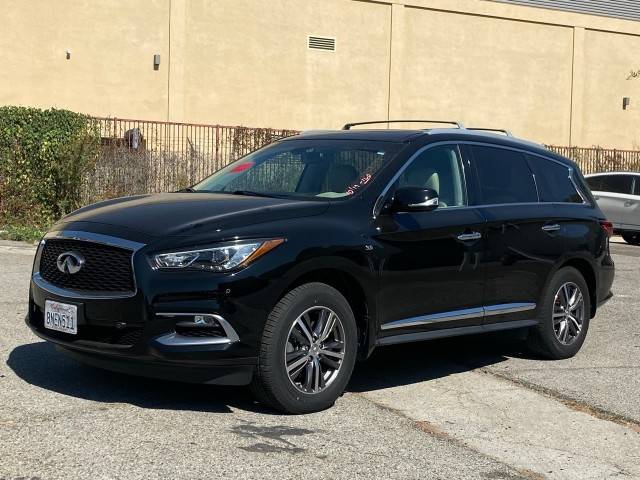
(106, 268)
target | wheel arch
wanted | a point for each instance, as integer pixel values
(354, 290)
(589, 274)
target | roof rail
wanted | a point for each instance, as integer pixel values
(498, 130)
(313, 132)
(448, 122)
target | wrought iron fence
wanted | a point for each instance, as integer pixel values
(595, 160)
(140, 156)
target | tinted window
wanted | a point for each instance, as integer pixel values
(439, 169)
(636, 190)
(553, 181)
(613, 184)
(595, 183)
(504, 176)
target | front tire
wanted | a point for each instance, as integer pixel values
(307, 351)
(632, 238)
(564, 316)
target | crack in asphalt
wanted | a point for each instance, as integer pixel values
(572, 403)
(432, 430)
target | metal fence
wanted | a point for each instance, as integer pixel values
(140, 156)
(595, 160)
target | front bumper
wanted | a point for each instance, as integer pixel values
(188, 360)
(137, 331)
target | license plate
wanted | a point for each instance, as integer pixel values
(61, 317)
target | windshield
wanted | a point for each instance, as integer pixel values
(303, 168)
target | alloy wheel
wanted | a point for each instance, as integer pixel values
(315, 349)
(568, 313)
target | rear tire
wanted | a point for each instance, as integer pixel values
(564, 316)
(303, 367)
(632, 238)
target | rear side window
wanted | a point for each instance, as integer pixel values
(612, 183)
(554, 184)
(504, 176)
(636, 190)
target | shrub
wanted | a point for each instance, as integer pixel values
(44, 155)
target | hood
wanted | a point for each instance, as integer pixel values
(191, 213)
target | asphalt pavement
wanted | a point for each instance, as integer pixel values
(474, 407)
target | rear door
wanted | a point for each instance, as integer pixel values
(613, 192)
(522, 236)
(631, 215)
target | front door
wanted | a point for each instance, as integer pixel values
(430, 274)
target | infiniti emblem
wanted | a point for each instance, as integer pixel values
(70, 262)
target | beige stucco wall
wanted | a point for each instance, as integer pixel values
(256, 68)
(555, 77)
(487, 72)
(610, 58)
(112, 44)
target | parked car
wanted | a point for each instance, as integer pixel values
(285, 267)
(618, 195)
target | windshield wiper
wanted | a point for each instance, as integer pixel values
(251, 193)
(186, 190)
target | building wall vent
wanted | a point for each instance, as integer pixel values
(322, 43)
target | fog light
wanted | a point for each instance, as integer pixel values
(202, 325)
(202, 320)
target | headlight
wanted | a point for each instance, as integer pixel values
(217, 259)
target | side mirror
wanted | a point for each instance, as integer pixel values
(415, 199)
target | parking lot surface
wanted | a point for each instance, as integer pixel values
(476, 407)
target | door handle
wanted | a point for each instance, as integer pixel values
(629, 203)
(551, 228)
(467, 237)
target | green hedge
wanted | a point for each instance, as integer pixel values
(44, 155)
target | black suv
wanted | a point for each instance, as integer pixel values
(283, 268)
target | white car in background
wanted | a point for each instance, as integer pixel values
(618, 196)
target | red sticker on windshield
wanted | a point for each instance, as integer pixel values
(242, 167)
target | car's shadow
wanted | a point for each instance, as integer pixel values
(423, 361)
(41, 365)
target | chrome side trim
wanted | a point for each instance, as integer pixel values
(435, 318)
(89, 237)
(508, 308)
(453, 332)
(478, 312)
(176, 339)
